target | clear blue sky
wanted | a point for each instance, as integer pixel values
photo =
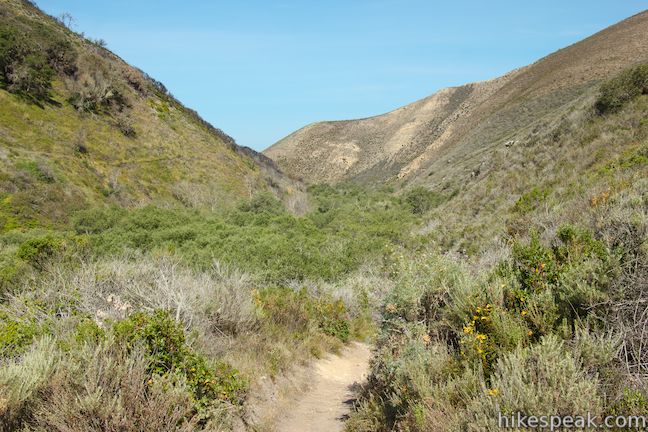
(261, 69)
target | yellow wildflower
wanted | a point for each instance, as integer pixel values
(493, 392)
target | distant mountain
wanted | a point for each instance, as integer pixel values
(450, 132)
(79, 126)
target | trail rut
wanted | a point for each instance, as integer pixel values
(325, 407)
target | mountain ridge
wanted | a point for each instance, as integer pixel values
(403, 144)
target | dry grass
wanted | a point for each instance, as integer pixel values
(21, 381)
(219, 300)
(97, 388)
(79, 377)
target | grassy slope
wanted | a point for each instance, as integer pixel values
(521, 321)
(549, 176)
(170, 155)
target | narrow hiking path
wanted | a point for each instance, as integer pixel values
(326, 405)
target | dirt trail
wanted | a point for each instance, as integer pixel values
(324, 408)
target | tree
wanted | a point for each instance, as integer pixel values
(66, 19)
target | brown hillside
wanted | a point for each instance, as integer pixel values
(416, 142)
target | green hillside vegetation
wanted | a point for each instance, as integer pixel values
(152, 272)
(130, 311)
(79, 127)
(124, 312)
(533, 298)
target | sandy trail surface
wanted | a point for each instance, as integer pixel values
(325, 407)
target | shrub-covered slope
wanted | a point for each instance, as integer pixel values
(80, 127)
(514, 284)
(529, 295)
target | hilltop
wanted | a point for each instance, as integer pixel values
(447, 133)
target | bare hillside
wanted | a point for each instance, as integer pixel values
(417, 141)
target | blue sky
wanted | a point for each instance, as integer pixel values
(261, 69)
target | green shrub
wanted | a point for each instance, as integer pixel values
(298, 312)
(38, 251)
(32, 77)
(544, 378)
(29, 57)
(17, 334)
(62, 57)
(88, 331)
(164, 342)
(263, 203)
(482, 347)
(11, 50)
(12, 269)
(632, 403)
(286, 308)
(162, 337)
(578, 244)
(260, 236)
(336, 327)
(333, 319)
(617, 92)
(563, 281)
(538, 266)
(95, 221)
(535, 265)
(530, 200)
(422, 200)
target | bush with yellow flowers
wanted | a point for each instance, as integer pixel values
(477, 341)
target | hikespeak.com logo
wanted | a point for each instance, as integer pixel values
(577, 422)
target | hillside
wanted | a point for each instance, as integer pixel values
(78, 127)
(524, 291)
(456, 126)
(156, 277)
